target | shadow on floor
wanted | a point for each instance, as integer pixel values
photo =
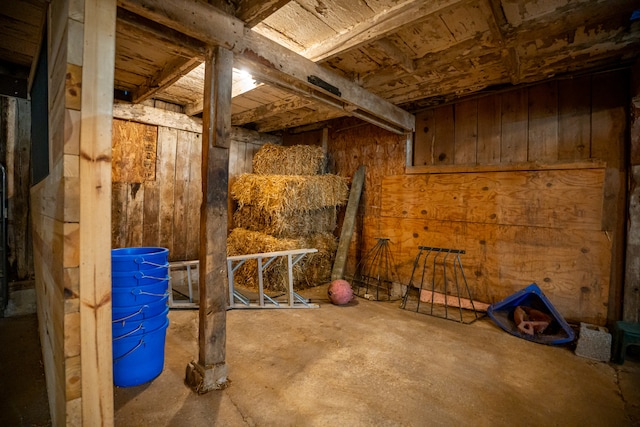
(23, 393)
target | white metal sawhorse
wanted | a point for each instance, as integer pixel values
(294, 300)
(182, 303)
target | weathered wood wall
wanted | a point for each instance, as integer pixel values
(520, 180)
(548, 123)
(159, 204)
(15, 129)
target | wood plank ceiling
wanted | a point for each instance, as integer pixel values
(412, 53)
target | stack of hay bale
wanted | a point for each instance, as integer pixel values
(288, 202)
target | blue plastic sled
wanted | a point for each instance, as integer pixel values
(558, 332)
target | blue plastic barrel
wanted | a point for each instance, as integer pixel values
(138, 357)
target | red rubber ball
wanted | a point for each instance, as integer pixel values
(340, 292)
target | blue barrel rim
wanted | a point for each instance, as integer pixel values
(138, 258)
(128, 318)
(155, 307)
(131, 278)
(132, 296)
(138, 250)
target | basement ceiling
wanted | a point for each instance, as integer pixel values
(412, 53)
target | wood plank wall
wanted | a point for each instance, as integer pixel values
(520, 180)
(548, 123)
(163, 208)
(15, 128)
(55, 219)
(160, 208)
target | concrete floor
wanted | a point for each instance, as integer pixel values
(373, 364)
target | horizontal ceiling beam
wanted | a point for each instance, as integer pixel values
(270, 62)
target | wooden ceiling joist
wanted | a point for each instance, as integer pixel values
(379, 26)
(167, 76)
(270, 62)
(239, 87)
(190, 52)
(265, 111)
(252, 12)
(142, 28)
(495, 18)
(393, 52)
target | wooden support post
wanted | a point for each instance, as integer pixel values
(210, 371)
(95, 212)
(631, 286)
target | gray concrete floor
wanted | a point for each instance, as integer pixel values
(365, 364)
(374, 364)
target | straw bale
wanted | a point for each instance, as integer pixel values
(287, 224)
(312, 270)
(286, 193)
(293, 160)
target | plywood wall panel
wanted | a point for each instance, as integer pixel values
(134, 152)
(557, 199)
(347, 156)
(571, 266)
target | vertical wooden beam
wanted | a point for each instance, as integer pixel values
(631, 287)
(424, 139)
(95, 212)
(210, 371)
(325, 140)
(609, 120)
